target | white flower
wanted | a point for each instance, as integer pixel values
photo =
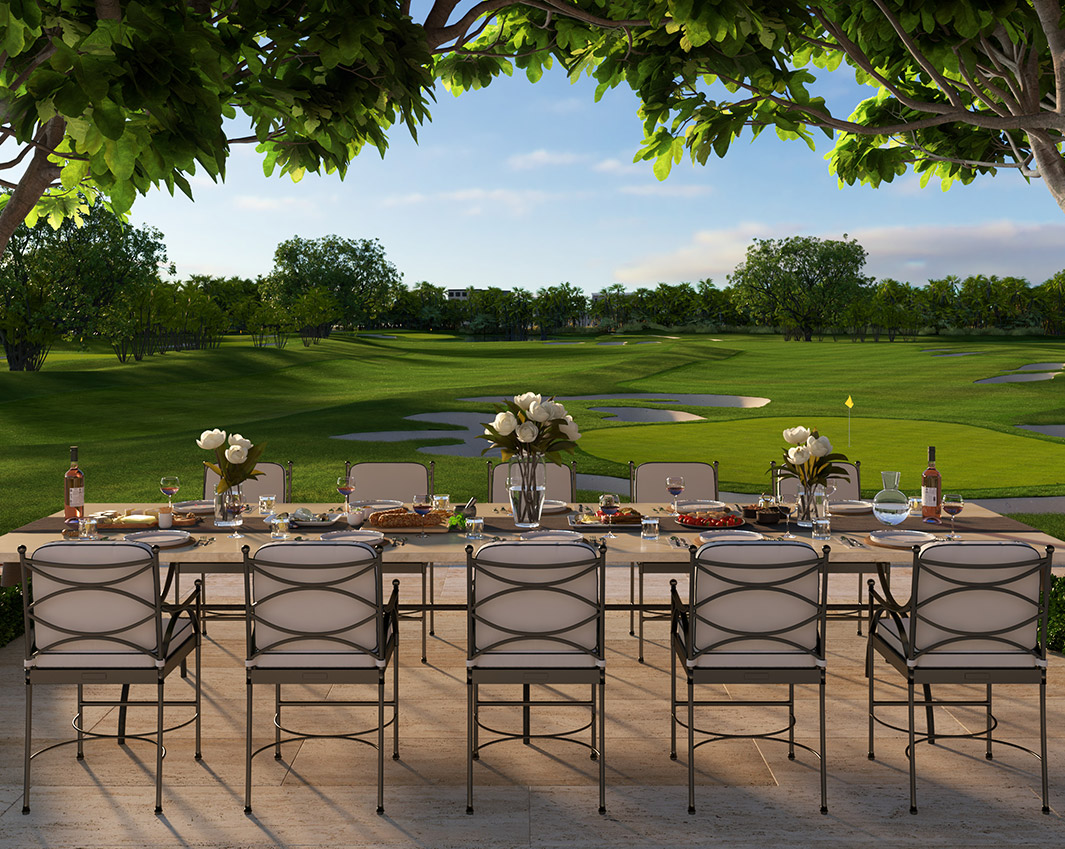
(798, 455)
(554, 410)
(819, 446)
(525, 401)
(237, 439)
(569, 429)
(505, 423)
(540, 411)
(527, 432)
(211, 439)
(236, 454)
(796, 435)
(560, 411)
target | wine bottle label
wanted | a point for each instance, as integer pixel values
(76, 496)
(928, 496)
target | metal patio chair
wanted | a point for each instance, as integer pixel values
(315, 616)
(755, 615)
(95, 615)
(977, 614)
(647, 483)
(535, 617)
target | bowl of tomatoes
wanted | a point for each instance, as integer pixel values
(710, 519)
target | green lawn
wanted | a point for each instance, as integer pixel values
(136, 422)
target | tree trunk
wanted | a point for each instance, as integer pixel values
(1052, 167)
(39, 175)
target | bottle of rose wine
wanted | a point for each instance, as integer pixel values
(74, 488)
(931, 489)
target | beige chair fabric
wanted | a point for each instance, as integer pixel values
(394, 481)
(847, 488)
(276, 480)
(648, 481)
(561, 484)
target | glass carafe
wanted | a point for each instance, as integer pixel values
(890, 506)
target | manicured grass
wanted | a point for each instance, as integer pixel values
(136, 422)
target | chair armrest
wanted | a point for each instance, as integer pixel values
(391, 609)
(190, 605)
(678, 617)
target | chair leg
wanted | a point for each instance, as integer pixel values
(594, 727)
(929, 714)
(639, 613)
(791, 722)
(395, 705)
(432, 600)
(425, 614)
(632, 599)
(277, 722)
(1043, 741)
(691, 745)
(672, 702)
(602, 742)
(526, 714)
(471, 743)
(199, 703)
(381, 742)
(824, 764)
(81, 720)
(28, 748)
(159, 749)
(871, 679)
(247, 750)
(913, 747)
(860, 605)
(987, 753)
(203, 602)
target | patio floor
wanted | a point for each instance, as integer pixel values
(322, 793)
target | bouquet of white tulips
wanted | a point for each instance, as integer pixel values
(235, 461)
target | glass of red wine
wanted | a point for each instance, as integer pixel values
(169, 486)
(675, 486)
(345, 487)
(609, 504)
(953, 504)
(422, 504)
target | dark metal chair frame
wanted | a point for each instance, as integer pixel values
(685, 616)
(425, 571)
(594, 675)
(385, 616)
(164, 661)
(910, 616)
(637, 571)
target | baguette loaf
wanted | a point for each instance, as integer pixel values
(400, 517)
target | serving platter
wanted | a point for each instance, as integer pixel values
(850, 508)
(194, 506)
(552, 506)
(891, 538)
(729, 535)
(372, 505)
(549, 535)
(162, 539)
(355, 536)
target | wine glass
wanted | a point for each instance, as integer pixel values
(786, 505)
(345, 487)
(953, 504)
(675, 486)
(608, 506)
(422, 504)
(169, 486)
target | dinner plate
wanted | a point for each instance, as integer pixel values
(163, 539)
(552, 506)
(726, 535)
(697, 504)
(548, 535)
(356, 536)
(900, 539)
(380, 504)
(194, 506)
(850, 508)
(315, 523)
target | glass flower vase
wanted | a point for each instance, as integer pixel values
(228, 507)
(804, 506)
(526, 487)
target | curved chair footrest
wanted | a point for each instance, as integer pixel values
(557, 734)
(925, 739)
(969, 736)
(91, 737)
(142, 734)
(511, 737)
(352, 734)
(717, 738)
(764, 735)
(300, 737)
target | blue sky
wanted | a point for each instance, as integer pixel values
(532, 185)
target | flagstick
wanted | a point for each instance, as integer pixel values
(848, 427)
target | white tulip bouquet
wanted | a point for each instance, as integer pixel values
(810, 459)
(530, 426)
(235, 462)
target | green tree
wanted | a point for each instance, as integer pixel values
(940, 303)
(354, 271)
(802, 282)
(559, 306)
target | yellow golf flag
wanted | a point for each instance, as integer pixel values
(849, 402)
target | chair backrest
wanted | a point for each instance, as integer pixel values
(848, 487)
(647, 481)
(561, 483)
(91, 598)
(398, 481)
(314, 597)
(977, 598)
(530, 598)
(275, 480)
(757, 596)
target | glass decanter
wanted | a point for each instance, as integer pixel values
(890, 506)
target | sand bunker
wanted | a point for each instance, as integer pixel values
(691, 399)
(962, 354)
(648, 414)
(1041, 366)
(1023, 377)
(1049, 430)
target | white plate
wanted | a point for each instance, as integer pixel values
(163, 539)
(194, 506)
(725, 535)
(373, 506)
(692, 506)
(901, 539)
(552, 506)
(315, 523)
(548, 535)
(850, 508)
(357, 536)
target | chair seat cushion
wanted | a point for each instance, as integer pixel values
(115, 658)
(314, 660)
(755, 660)
(533, 660)
(887, 630)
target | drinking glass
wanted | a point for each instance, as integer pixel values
(787, 507)
(169, 486)
(266, 504)
(675, 486)
(345, 487)
(953, 504)
(608, 506)
(422, 504)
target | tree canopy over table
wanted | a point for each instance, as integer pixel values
(114, 98)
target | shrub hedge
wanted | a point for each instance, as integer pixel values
(10, 614)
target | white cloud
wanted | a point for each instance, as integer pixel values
(409, 199)
(912, 253)
(259, 203)
(626, 169)
(666, 190)
(542, 158)
(476, 201)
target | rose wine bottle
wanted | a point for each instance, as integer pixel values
(74, 488)
(931, 489)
